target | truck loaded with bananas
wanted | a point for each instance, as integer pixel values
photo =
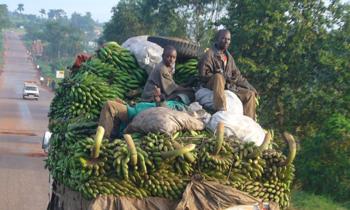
(152, 165)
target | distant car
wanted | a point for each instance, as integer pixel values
(30, 89)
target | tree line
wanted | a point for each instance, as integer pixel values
(63, 36)
(4, 17)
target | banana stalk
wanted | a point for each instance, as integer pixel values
(266, 142)
(132, 148)
(98, 141)
(188, 156)
(219, 137)
(292, 147)
(178, 152)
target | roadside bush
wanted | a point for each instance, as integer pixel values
(323, 165)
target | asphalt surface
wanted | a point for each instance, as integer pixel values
(24, 183)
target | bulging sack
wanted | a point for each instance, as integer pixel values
(205, 98)
(147, 54)
(241, 126)
(163, 120)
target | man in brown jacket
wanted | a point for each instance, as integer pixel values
(218, 72)
(161, 80)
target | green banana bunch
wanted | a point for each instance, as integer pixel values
(164, 183)
(122, 59)
(208, 160)
(95, 66)
(124, 167)
(82, 96)
(186, 70)
(110, 186)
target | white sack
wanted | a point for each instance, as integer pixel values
(241, 126)
(147, 54)
(205, 98)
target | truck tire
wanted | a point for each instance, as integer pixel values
(185, 49)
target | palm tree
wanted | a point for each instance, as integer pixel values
(20, 8)
(42, 12)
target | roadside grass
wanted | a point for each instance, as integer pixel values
(307, 201)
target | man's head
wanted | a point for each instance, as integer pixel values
(169, 56)
(223, 39)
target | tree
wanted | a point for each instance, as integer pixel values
(55, 14)
(203, 17)
(63, 39)
(85, 23)
(145, 17)
(281, 47)
(4, 18)
(42, 12)
(298, 58)
(327, 155)
(20, 8)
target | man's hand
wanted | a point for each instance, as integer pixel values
(254, 90)
(220, 71)
(156, 91)
(157, 94)
(118, 100)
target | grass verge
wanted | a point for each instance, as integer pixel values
(307, 201)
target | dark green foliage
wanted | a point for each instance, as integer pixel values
(324, 159)
(4, 19)
(295, 56)
(298, 59)
(148, 17)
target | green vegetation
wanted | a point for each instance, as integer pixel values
(4, 18)
(4, 23)
(306, 201)
(62, 37)
(327, 155)
(298, 59)
(177, 18)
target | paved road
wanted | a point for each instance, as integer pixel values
(23, 179)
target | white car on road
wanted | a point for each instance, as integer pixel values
(30, 89)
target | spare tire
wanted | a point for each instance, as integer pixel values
(185, 49)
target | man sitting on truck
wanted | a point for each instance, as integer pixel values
(160, 90)
(162, 77)
(218, 72)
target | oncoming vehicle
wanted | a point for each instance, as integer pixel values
(46, 141)
(30, 89)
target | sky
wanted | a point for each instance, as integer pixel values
(100, 9)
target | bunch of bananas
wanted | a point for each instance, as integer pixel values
(124, 61)
(164, 183)
(133, 160)
(209, 159)
(81, 96)
(248, 160)
(185, 70)
(95, 66)
(110, 186)
(78, 130)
